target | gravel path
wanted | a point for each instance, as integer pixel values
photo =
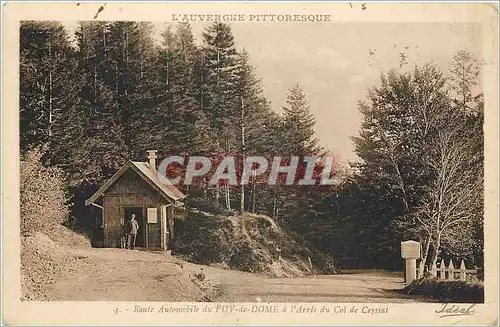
(124, 275)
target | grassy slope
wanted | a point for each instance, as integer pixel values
(43, 261)
(248, 242)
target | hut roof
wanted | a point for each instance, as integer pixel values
(151, 176)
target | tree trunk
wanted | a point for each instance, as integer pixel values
(437, 245)
(254, 197)
(274, 208)
(242, 195)
(205, 188)
(50, 99)
(242, 199)
(104, 37)
(425, 255)
(124, 58)
(49, 129)
(217, 194)
(117, 81)
(228, 197)
(427, 246)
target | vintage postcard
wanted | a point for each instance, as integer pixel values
(297, 163)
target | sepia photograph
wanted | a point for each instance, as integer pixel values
(258, 157)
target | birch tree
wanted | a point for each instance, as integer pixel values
(416, 141)
(454, 196)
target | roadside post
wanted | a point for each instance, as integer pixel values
(410, 251)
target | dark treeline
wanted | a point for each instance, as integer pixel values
(116, 92)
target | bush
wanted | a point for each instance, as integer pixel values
(43, 199)
(203, 240)
(249, 259)
(447, 291)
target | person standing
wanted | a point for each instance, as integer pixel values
(133, 227)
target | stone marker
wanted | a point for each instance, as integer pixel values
(410, 251)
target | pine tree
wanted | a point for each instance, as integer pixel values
(464, 80)
(216, 70)
(299, 124)
(184, 127)
(200, 136)
(46, 90)
(131, 77)
(185, 43)
(219, 98)
(103, 129)
(252, 114)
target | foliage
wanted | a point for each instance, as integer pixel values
(447, 291)
(204, 240)
(43, 198)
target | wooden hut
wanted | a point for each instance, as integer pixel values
(137, 188)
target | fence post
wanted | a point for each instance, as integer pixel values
(434, 270)
(463, 271)
(450, 270)
(442, 270)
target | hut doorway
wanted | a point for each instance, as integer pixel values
(139, 216)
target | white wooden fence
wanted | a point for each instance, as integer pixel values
(450, 273)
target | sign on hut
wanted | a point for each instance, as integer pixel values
(138, 189)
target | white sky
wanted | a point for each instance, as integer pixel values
(333, 64)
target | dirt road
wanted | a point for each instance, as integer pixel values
(338, 288)
(124, 275)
